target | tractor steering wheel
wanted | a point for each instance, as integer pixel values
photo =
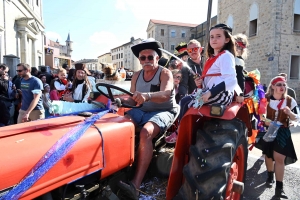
(111, 96)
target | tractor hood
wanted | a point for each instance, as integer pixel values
(23, 145)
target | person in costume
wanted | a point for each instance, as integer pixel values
(81, 87)
(218, 80)
(153, 87)
(177, 76)
(182, 51)
(241, 44)
(282, 109)
(61, 83)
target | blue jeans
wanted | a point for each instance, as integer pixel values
(184, 102)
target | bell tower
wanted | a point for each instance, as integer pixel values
(69, 45)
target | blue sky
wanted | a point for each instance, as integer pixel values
(96, 26)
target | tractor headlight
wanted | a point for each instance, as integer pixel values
(217, 110)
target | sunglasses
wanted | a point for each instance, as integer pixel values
(195, 49)
(177, 77)
(143, 58)
(279, 85)
(20, 70)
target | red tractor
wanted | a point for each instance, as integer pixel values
(209, 159)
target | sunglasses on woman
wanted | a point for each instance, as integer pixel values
(279, 85)
(195, 49)
(143, 58)
(177, 77)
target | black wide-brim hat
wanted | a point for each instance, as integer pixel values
(185, 53)
(149, 43)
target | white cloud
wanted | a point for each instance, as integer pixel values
(54, 36)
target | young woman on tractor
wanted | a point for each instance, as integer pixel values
(218, 80)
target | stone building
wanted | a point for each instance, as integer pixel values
(105, 58)
(273, 28)
(57, 54)
(122, 56)
(199, 32)
(170, 34)
(21, 33)
(91, 64)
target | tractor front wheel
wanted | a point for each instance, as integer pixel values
(217, 162)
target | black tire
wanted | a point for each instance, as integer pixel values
(210, 159)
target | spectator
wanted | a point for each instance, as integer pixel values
(31, 88)
(182, 51)
(66, 67)
(177, 76)
(265, 87)
(291, 92)
(49, 77)
(43, 78)
(54, 95)
(241, 44)
(7, 91)
(71, 75)
(34, 72)
(81, 87)
(46, 99)
(61, 83)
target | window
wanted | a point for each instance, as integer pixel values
(297, 16)
(294, 68)
(183, 34)
(163, 45)
(230, 21)
(253, 20)
(253, 28)
(296, 23)
(121, 55)
(152, 34)
(173, 33)
(40, 60)
(162, 32)
(37, 2)
(192, 36)
(172, 47)
(149, 35)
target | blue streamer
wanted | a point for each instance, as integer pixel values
(54, 154)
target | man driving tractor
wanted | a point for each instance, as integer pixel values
(152, 87)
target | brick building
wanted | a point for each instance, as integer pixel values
(273, 28)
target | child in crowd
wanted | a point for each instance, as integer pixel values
(53, 92)
(241, 44)
(46, 99)
(177, 78)
(218, 80)
(61, 84)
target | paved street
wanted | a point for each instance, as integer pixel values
(256, 175)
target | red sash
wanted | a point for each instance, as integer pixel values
(210, 61)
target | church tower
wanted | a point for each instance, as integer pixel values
(69, 45)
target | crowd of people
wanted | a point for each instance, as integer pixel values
(28, 95)
(160, 86)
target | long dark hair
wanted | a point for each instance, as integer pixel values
(75, 82)
(230, 46)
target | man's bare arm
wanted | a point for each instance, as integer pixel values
(34, 102)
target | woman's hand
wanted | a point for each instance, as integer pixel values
(68, 97)
(198, 82)
(239, 99)
(287, 110)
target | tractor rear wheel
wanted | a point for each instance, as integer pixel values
(217, 161)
